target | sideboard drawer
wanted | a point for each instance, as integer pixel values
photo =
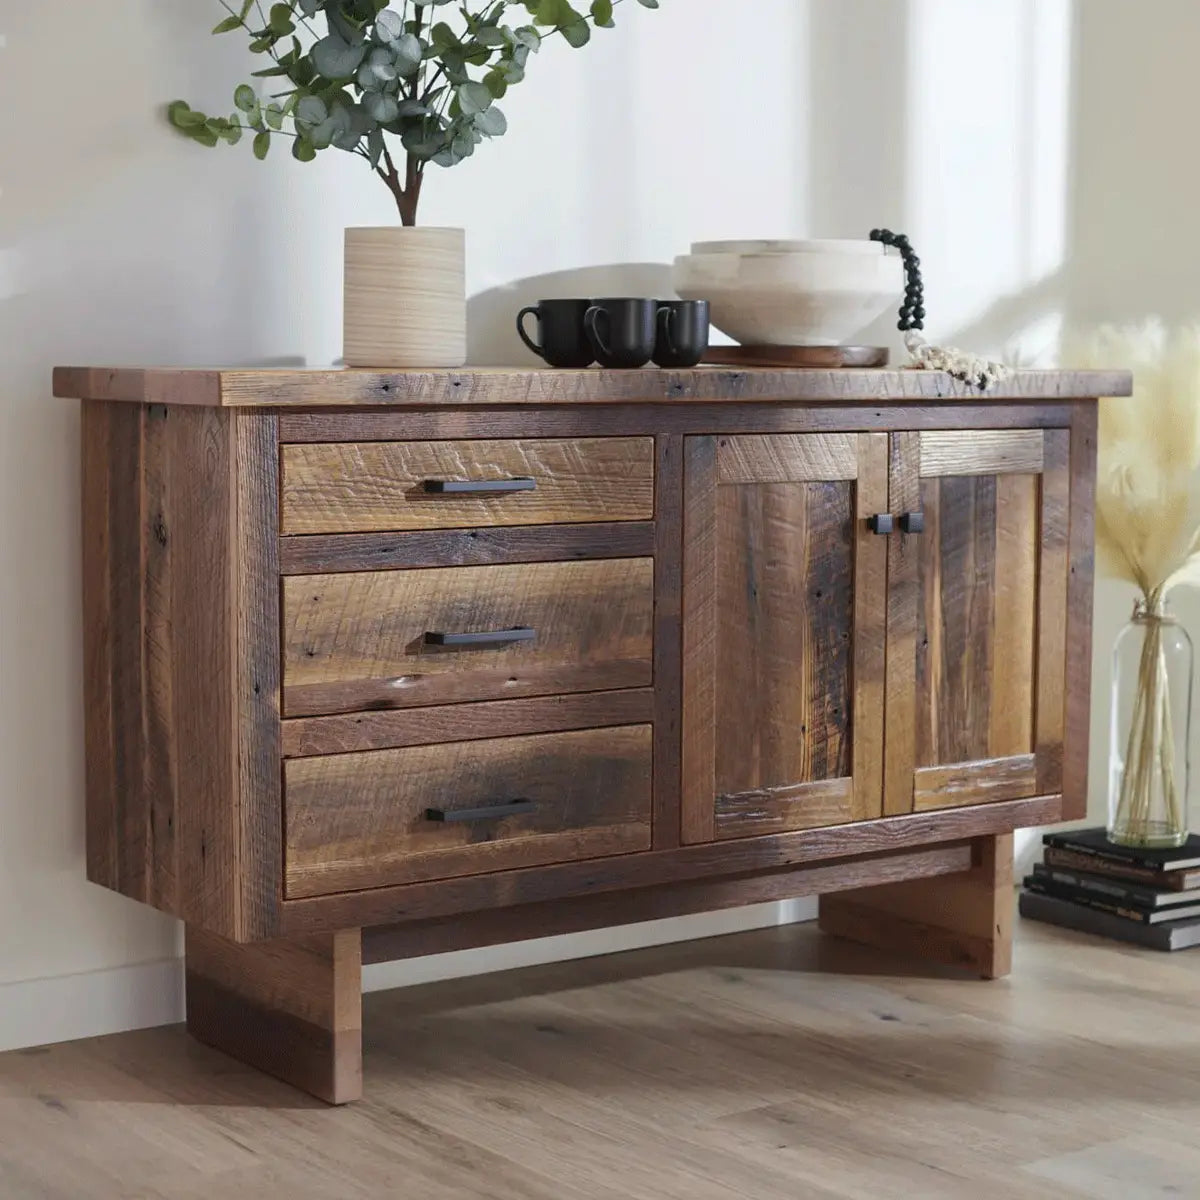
(404, 639)
(359, 487)
(384, 817)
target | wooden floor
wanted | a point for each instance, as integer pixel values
(773, 1064)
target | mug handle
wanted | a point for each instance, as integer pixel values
(532, 310)
(666, 322)
(591, 324)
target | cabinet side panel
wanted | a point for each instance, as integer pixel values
(159, 654)
(257, 677)
(1080, 591)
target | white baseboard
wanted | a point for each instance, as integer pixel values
(38, 1012)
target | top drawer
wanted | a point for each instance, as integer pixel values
(360, 487)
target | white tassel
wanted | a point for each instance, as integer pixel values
(972, 369)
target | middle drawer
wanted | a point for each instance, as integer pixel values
(403, 639)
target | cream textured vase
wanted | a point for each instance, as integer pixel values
(406, 297)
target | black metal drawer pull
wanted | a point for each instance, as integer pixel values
(458, 487)
(493, 812)
(493, 637)
(881, 523)
(913, 522)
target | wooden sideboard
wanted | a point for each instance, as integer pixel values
(380, 665)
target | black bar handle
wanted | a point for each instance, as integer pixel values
(882, 523)
(493, 812)
(493, 637)
(913, 522)
(458, 487)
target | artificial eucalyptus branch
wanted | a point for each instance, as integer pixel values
(377, 73)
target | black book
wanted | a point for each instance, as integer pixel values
(1120, 891)
(1127, 912)
(1095, 842)
(1173, 935)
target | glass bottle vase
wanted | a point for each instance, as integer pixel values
(1150, 727)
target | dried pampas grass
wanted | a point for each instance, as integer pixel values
(1148, 533)
(1148, 488)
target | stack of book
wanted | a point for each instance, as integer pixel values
(1151, 897)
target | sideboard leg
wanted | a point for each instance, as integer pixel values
(291, 1008)
(965, 920)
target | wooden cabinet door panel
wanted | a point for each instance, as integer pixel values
(784, 622)
(976, 618)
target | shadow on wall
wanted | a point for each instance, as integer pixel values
(492, 315)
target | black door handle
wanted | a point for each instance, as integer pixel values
(913, 522)
(458, 487)
(493, 812)
(493, 637)
(881, 523)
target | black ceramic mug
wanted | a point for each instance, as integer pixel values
(683, 328)
(622, 331)
(564, 342)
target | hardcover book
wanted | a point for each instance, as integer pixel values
(1168, 880)
(1174, 935)
(1095, 842)
(1121, 891)
(1127, 912)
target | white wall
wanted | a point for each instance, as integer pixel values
(1035, 150)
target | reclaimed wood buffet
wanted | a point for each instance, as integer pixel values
(386, 664)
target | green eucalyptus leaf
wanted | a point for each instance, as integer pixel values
(577, 33)
(203, 135)
(180, 114)
(246, 6)
(382, 107)
(389, 24)
(648, 3)
(312, 110)
(310, 8)
(492, 122)
(303, 150)
(245, 98)
(228, 25)
(602, 13)
(273, 115)
(375, 146)
(280, 21)
(413, 108)
(335, 58)
(495, 83)
(408, 53)
(474, 97)
(491, 36)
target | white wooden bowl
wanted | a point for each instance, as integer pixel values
(796, 297)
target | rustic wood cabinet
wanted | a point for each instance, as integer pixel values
(383, 664)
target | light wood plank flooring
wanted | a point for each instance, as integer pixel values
(766, 1065)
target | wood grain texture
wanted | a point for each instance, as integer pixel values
(742, 856)
(361, 487)
(903, 606)
(955, 784)
(404, 297)
(784, 458)
(985, 452)
(779, 808)
(495, 926)
(1053, 573)
(1015, 616)
(700, 632)
(668, 641)
(359, 820)
(965, 920)
(869, 672)
(357, 641)
(305, 737)
(290, 1008)
(643, 420)
(1080, 594)
(183, 804)
(326, 554)
(502, 386)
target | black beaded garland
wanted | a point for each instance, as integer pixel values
(912, 311)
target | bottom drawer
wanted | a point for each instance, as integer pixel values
(387, 817)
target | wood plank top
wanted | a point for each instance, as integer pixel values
(485, 387)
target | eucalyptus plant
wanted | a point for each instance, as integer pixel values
(354, 74)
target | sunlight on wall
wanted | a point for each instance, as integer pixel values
(988, 157)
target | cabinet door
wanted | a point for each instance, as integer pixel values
(783, 636)
(976, 618)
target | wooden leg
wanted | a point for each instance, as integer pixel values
(290, 1008)
(965, 920)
